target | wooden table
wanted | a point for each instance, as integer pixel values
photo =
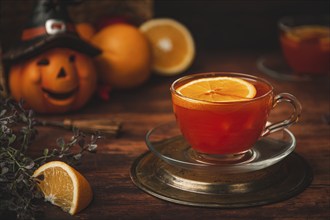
(116, 197)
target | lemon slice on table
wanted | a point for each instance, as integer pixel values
(63, 186)
(172, 45)
(218, 89)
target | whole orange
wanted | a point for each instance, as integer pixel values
(125, 61)
(85, 30)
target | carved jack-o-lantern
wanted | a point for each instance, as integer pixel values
(56, 81)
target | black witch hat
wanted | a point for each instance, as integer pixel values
(50, 27)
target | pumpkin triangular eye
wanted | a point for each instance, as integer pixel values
(43, 62)
(72, 58)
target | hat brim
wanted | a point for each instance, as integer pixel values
(32, 48)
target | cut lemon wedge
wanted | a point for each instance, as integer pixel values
(172, 45)
(218, 89)
(63, 186)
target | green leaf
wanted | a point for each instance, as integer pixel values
(92, 148)
(46, 151)
(20, 178)
(77, 156)
(11, 139)
(3, 112)
(60, 142)
(30, 165)
(23, 117)
(4, 170)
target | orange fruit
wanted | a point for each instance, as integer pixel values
(173, 47)
(126, 58)
(85, 30)
(63, 186)
(218, 89)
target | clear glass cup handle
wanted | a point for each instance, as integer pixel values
(284, 97)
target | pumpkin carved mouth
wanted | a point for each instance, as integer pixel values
(59, 96)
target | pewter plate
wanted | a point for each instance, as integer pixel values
(275, 183)
(172, 172)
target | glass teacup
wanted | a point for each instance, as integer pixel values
(229, 128)
(305, 42)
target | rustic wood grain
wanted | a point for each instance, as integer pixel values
(116, 197)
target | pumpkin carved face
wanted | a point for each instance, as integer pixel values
(57, 81)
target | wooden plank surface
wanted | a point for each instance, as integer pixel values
(116, 197)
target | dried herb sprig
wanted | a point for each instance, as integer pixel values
(18, 190)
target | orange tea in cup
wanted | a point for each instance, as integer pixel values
(306, 44)
(226, 113)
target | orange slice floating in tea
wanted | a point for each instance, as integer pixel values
(172, 45)
(309, 33)
(63, 186)
(218, 89)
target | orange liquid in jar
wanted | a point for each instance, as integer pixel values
(307, 49)
(224, 128)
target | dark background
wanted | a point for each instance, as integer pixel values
(215, 24)
(236, 24)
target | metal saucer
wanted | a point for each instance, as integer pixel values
(215, 185)
(273, 184)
